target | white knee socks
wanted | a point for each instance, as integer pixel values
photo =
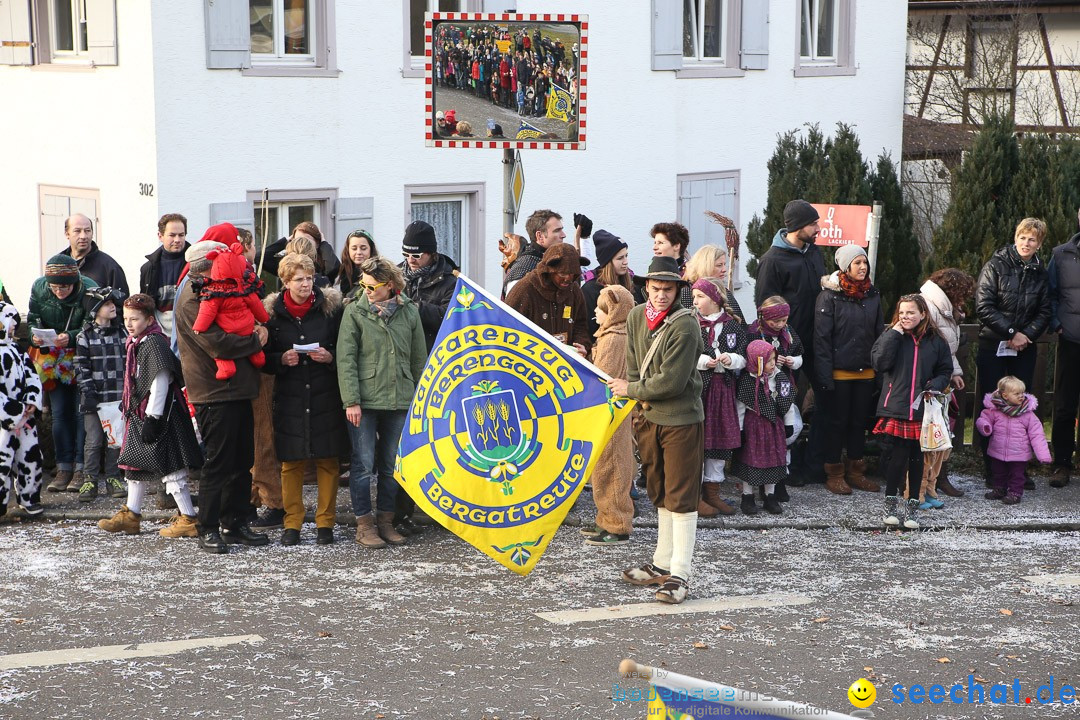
(683, 535)
(662, 556)
(770, 488)
(136, 491)
(747, 489)
(714, 471)
(176, 485)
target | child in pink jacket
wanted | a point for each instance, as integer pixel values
(1015, 435)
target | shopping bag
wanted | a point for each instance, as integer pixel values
(935, 427)
(112, 423)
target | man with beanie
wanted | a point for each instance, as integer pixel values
(663, 346)
(793, 268)
(92, 263)
(222, 407)
(430, 277)
(161, 271)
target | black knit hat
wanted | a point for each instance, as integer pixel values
(607, 247)
(419, 238)
(798, 214)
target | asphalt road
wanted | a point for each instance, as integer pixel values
(435, 630)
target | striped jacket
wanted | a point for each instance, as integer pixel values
(99, 363)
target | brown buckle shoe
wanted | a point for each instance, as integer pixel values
(385, 522)
(710, 493)
(647, 574)
(366, 534)
(705, 510)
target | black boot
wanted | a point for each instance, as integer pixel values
(772, 505)
(781, 493)
(748, 506)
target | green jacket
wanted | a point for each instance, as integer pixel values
(48, 311)
(671, 389)
(379, 362)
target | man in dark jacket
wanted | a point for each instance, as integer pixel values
(93, 263)
(1064, 279)
(430, 277)
(544, 229)
(222, 407)
(161, 271)
(792, 268)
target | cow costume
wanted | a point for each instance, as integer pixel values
(20, 396)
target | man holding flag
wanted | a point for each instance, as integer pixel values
(663, 344)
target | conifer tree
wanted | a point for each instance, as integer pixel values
(898, 266)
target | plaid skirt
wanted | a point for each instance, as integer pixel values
(903, 429)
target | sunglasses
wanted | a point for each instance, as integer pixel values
(372, 288)
(413, 256)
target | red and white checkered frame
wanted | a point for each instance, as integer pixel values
(582, 21)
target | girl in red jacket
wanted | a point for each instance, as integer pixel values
(1015, 433)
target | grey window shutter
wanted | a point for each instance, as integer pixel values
(667, 34)
(352, 214)
(499, 6)
(16, 43)
(241, 214)
(101, 31)
(228, 34)
(754, 45)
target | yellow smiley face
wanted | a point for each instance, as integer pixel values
(862, 693)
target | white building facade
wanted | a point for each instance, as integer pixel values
(129, 109)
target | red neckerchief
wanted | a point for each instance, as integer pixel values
(852, 287)
(298, 310)
(654, 317)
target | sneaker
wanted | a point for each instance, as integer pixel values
(910, 521)
(995, 494)
(272, 519)
(34, 509)
(673, 591)
(647, 574)
(934, 503)
(76, 482)
(60, 481)
(1011, 500)
(590, 531)
(607, 538)
(748, 506)
(925, 505)
(88, 491)
(181, 526)
(889, 513)
(1060, 477)
(124, 521)
(115, 487)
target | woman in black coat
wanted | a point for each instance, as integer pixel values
(1012, 302)
(847, 321)
(308, 419)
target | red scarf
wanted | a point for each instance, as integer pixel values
(654, 317)
(298, 310)
(852, 287)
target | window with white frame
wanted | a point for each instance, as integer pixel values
(414, 25)
(826, 39)
(818, 31)
(278, 219)
(72, 32)
(282, 31)
(705, 25)
(456, 213)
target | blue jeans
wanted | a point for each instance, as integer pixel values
(69, 435)
(375, 441)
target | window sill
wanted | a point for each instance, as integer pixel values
(412, 71)
(709, 71)
(289, 71)
(824, 70)
(64, 66)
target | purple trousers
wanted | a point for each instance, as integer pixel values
(1008, 476)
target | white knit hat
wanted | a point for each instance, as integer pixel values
(846, 255)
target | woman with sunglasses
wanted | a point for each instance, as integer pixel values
(381, 354)
(359, 246)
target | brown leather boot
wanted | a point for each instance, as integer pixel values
(366, 534)
(834, 479)
(855, 476)
(943, 484)
(387, 531)
(710, 493)
(705, 510)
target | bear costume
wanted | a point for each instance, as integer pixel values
(229, 297)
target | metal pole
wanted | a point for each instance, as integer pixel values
(508, 191)
(872, 237)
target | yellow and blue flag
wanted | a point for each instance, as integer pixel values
(559, 103)
(504, 431)
(528, 132)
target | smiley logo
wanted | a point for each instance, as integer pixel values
(862, 693)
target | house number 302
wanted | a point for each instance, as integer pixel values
(146, 189)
